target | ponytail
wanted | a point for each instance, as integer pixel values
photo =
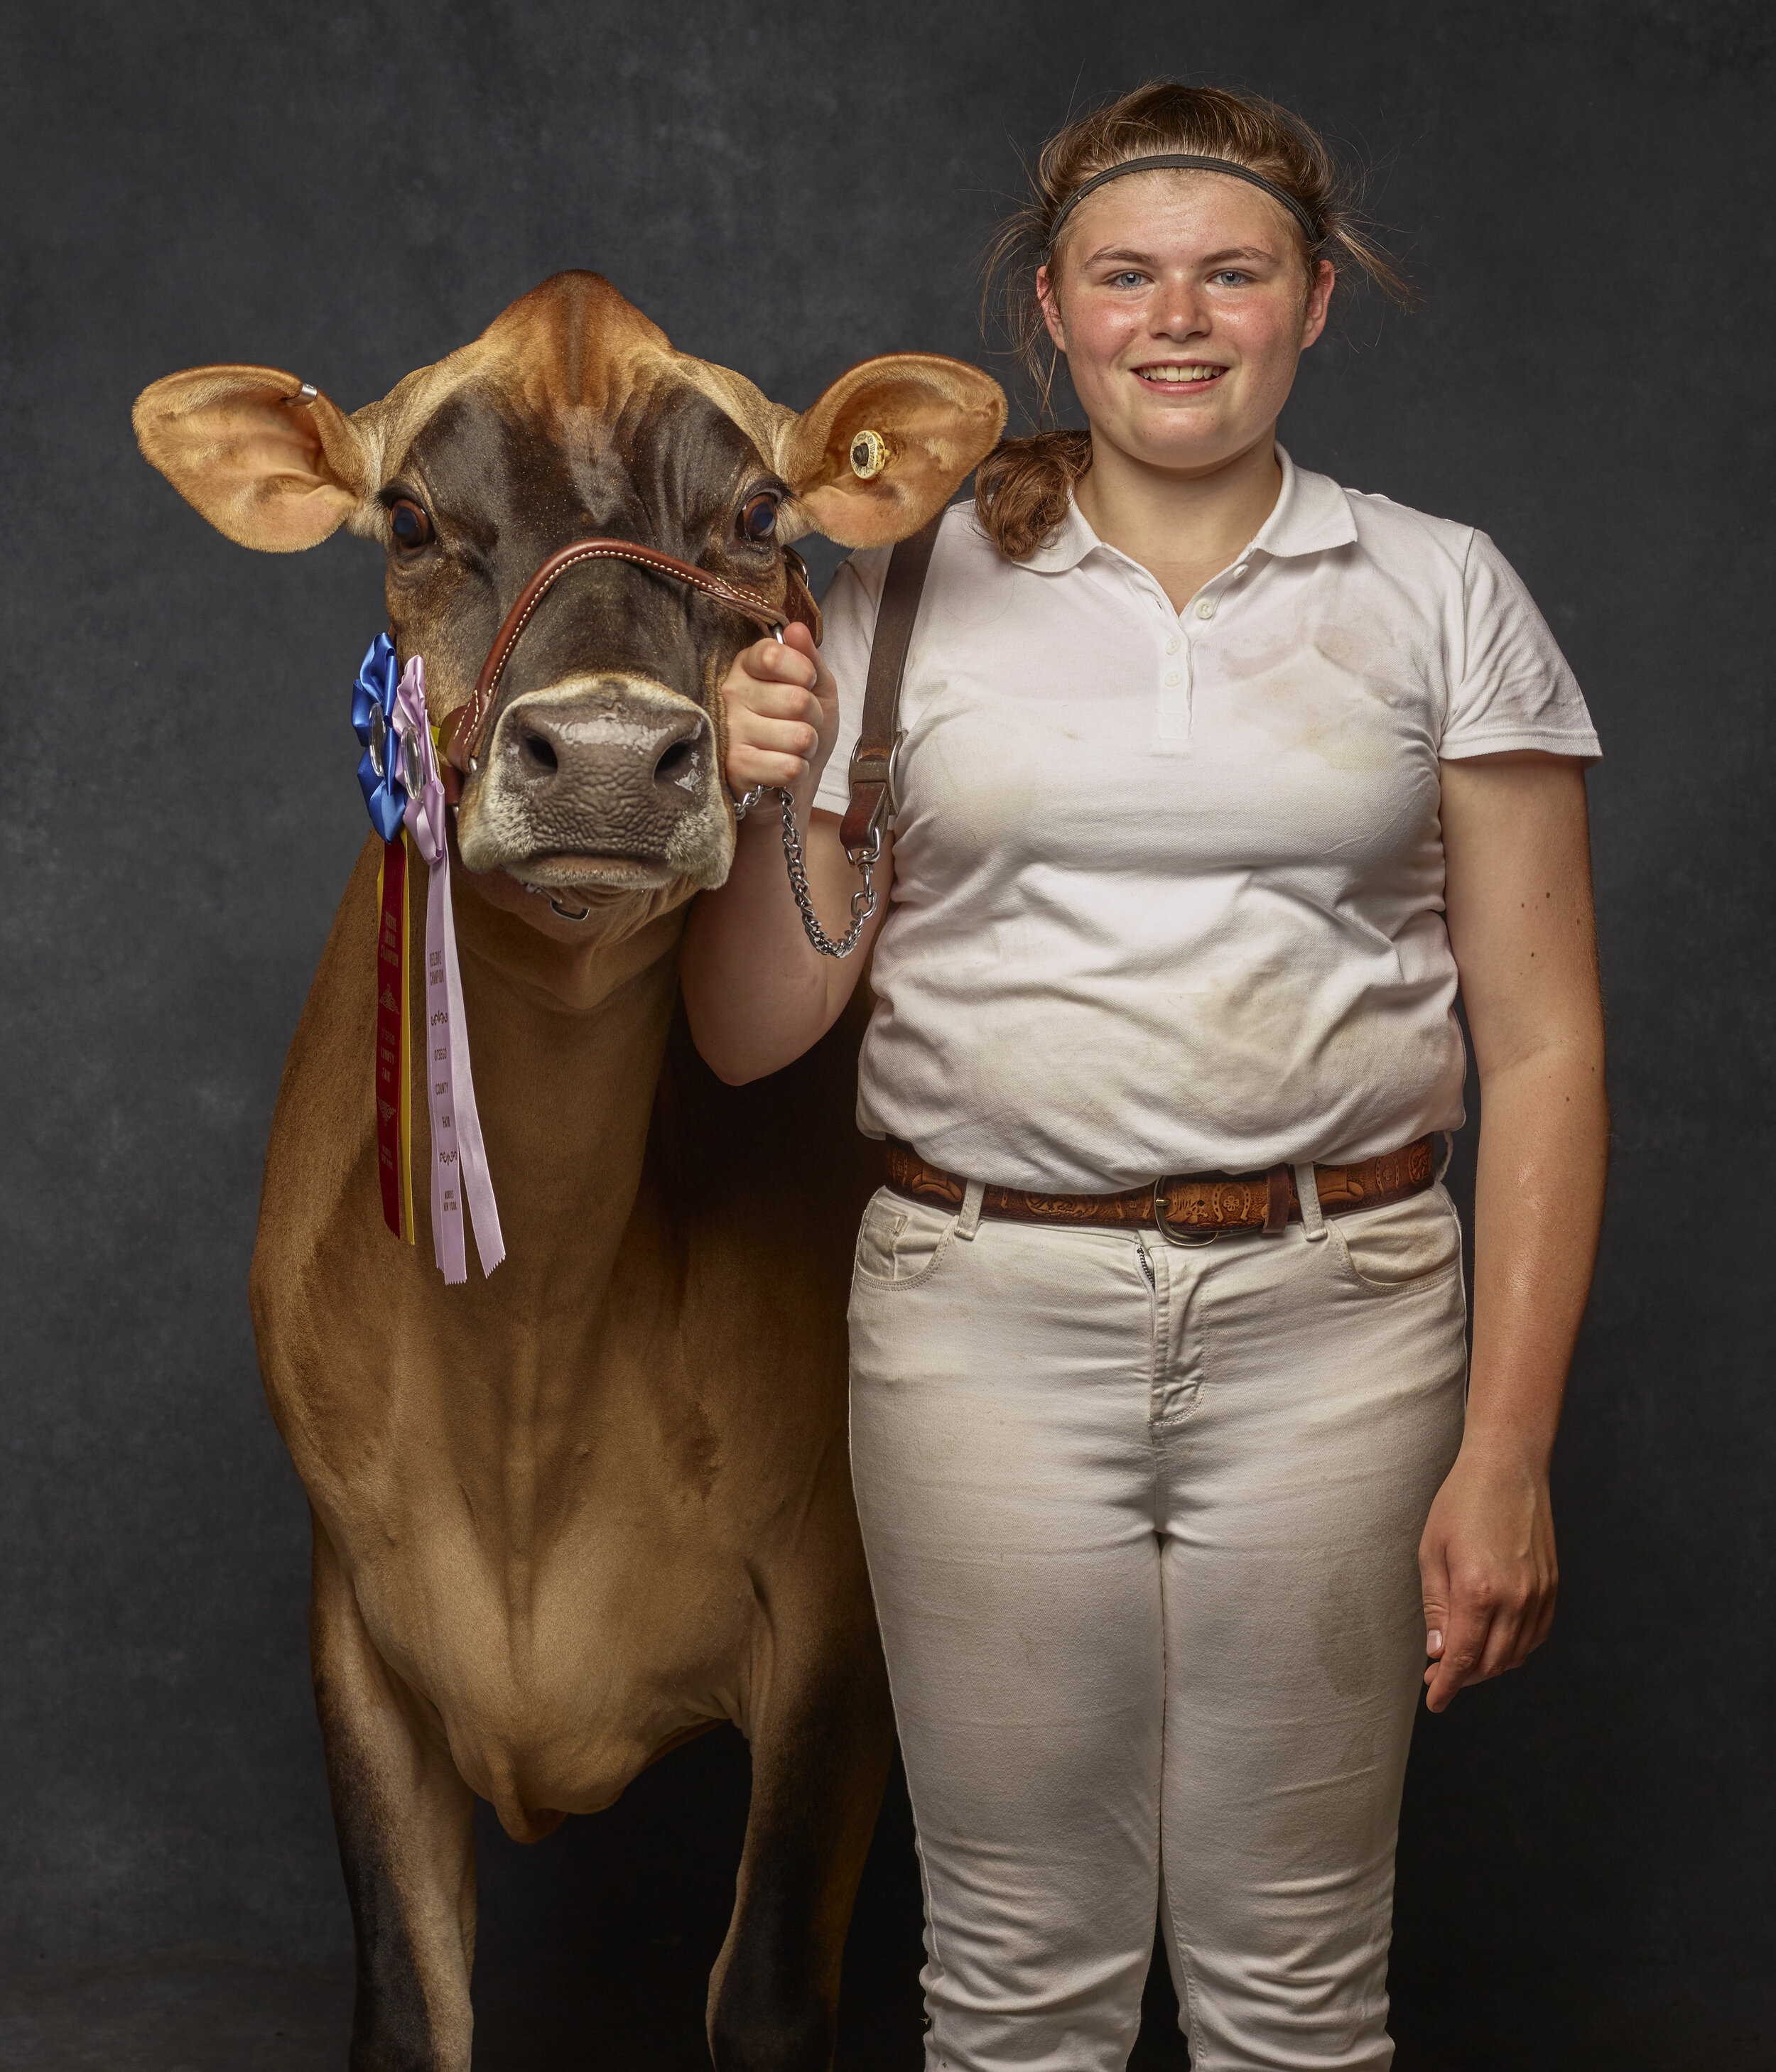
(1023, 488)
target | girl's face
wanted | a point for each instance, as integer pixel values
(1179, 299)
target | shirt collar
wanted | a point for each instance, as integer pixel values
(1312, 513)
(1073, 540)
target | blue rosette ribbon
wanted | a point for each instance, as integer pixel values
(372, 721)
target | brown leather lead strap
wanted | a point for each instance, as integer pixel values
(872, 759)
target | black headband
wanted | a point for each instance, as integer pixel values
(1186, 161)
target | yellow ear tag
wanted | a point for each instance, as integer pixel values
(869, 455)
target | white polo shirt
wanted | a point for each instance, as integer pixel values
(1169, 886)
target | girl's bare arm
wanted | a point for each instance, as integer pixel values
(1519, 905)
(757, 993)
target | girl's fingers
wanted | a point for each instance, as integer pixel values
(1504, 1647)
(774, 700)
(799, 642)
(779, 737)
(775, 713)
(766, 751)
(747, 766)
(1533, 1630)
(805, 652)
(772, 660)
(1464, 1646)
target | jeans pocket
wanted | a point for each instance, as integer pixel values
(901, 1243)
(1403, 1245)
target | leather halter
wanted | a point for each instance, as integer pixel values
(463, 730)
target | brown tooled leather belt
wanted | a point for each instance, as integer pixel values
(1190, 1207)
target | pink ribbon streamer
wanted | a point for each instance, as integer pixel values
(459, 1158)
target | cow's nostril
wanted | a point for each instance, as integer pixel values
(538, 752)
(674, 760)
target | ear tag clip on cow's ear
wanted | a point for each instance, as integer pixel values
(399, 774)
(869, 455)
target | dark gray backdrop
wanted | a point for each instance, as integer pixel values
(346, 191)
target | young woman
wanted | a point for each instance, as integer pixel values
(1218, 779)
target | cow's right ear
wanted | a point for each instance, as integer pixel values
(271, 463)
(889, 445)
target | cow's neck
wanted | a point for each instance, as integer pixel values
(567, 1029)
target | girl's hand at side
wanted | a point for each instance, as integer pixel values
(1487, 1567)
(783, 712)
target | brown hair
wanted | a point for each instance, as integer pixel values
(1022, 487)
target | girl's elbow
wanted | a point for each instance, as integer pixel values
(732, 1062)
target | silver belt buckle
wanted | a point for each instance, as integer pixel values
(1165, 1230)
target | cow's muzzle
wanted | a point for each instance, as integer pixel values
(610, 780)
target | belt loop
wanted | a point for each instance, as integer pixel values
(1307, 1187)
(969, 1221)
(1448, 1136)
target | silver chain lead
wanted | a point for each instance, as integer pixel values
(863, 861)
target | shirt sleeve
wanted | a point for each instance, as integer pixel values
(847, 612)
(1515, 690)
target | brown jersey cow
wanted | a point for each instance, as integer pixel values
(570, 1515)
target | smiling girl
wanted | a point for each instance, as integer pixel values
(1219, 779)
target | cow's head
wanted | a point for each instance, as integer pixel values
(600, 771)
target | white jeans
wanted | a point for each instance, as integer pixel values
(1142, 1525)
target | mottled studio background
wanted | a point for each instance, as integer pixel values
(1582, 191)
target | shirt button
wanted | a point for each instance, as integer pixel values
(1175, 677)
(1173, 644)
(1206, 608)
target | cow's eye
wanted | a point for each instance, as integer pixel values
(410, 524)
(758, 519)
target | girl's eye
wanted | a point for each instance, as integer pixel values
(758, 518)
(410, 524)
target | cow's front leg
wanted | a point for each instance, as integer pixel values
(822, 1733)
(405, 1824)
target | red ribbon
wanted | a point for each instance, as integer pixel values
(393, 1129)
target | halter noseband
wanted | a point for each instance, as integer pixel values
(465, 729)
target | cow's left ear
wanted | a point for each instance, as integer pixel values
(889, 445)
(269, 461)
